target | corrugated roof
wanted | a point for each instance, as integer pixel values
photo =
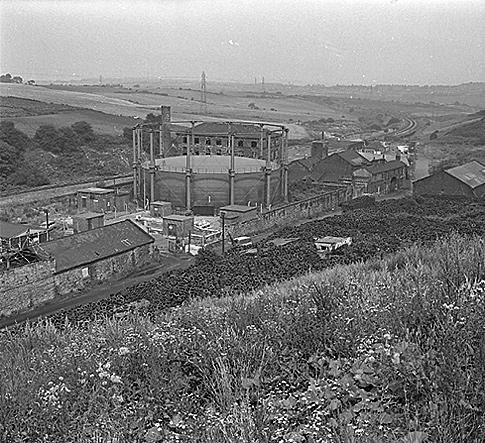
(12, 230)
(91, 246)
(472, 174)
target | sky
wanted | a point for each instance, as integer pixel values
(286, 41)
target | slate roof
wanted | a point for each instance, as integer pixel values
(389, 166)
(472, 174)
(97, 244)
(352, 157)
(13, 230)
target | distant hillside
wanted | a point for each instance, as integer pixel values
(473, 132)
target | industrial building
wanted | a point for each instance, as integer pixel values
(467, 180)
(201, 166)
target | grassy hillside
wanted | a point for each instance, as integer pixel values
(391, 350)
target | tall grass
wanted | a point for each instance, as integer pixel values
(390, 350)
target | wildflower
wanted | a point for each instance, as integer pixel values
(115, 379)
(123, 350)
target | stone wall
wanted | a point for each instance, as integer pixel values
(310, 207)
(31, 285)
(27, 286)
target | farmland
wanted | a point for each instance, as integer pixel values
(378, 342)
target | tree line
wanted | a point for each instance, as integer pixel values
(8, 78)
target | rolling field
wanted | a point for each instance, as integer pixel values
(124, 105)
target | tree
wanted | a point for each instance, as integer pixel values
(6, 78)
(84, 131)
(48, 139)
(69, 140)
(28, 175)
(9, 134)
(31, 82)
(18, 79)
(10, 159)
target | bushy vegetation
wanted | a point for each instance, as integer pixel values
(473, 132)
(391, 350)
(15, 169)
(72, 151)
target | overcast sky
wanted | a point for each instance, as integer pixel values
(288, 41)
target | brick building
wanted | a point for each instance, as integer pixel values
(467, 180)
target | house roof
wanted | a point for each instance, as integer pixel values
(97, 244)
(13, 230)
(352, 157)
(472, 174)
(388, 166)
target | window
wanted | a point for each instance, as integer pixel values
(254, 144)
(184, 140)
(240, 143)
(196, 140)
(85, 272)
(208, 141)
(218, 142)
(83, 202)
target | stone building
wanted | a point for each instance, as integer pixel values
(467, 180)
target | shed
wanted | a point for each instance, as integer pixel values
(95, 200)
(87, 221)
(178, 226)
(160, 208)
(17, 236)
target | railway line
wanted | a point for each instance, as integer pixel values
(59, 190)
(408, 130)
